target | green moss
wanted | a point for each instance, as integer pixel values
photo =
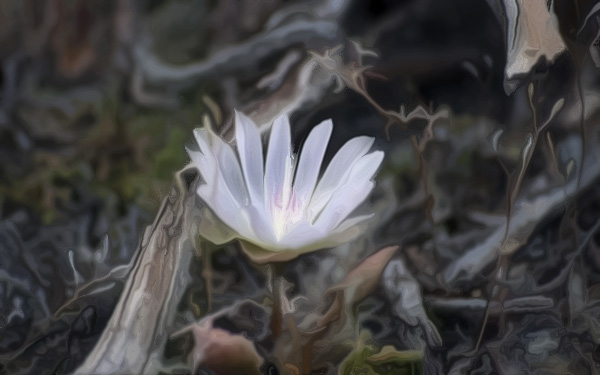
(355, 363)
(366, 359)
(172, 157)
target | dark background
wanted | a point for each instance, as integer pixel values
(91, 133)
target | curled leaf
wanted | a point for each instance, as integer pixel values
(389, 354)
(360, 281)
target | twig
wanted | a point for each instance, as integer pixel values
(523, 222)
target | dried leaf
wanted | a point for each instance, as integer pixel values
(223, 352)
(532, 33)
(360, 281)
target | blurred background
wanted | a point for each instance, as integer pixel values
(487, 111)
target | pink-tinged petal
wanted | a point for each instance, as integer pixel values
(353, 192)
(279, 166)
(310, 161)
(250, 151)
(337, 172)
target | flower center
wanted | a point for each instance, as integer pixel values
(285, 215)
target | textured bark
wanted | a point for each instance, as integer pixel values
(134, 338)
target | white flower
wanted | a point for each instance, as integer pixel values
(284, 209)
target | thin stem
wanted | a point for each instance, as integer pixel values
(206, 274)
(274, 278)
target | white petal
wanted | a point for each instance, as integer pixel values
(337, 172)
(223, 191)
(347, 231)
(310, 161)
(307, 236)
(201, 135)
(343, 203)
(228, 165)
(279, 167)
(306, 239)
(205, 160)
(261, 225)
(303, 235)
(353, 192)
(231, 171)
(225, 207)
(212, 228)
(351, 228)
(250, 150)
(194, 155)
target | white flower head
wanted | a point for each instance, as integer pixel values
(280, 208)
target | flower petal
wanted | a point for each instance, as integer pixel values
(205, 160)
(227, 209)
(211, 228)
(259, 255)
(279, 166)
(228, 165)
(310, 161)
(349, 229)
(230, 170)
(353, 192)
(306, 237)
(303, 235)
(337, 172)
(261, 224)
(352, 222)
(224, 190)
(194, 155)
(250, 151)
(343, 203)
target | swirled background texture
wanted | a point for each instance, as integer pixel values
(488, 112)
